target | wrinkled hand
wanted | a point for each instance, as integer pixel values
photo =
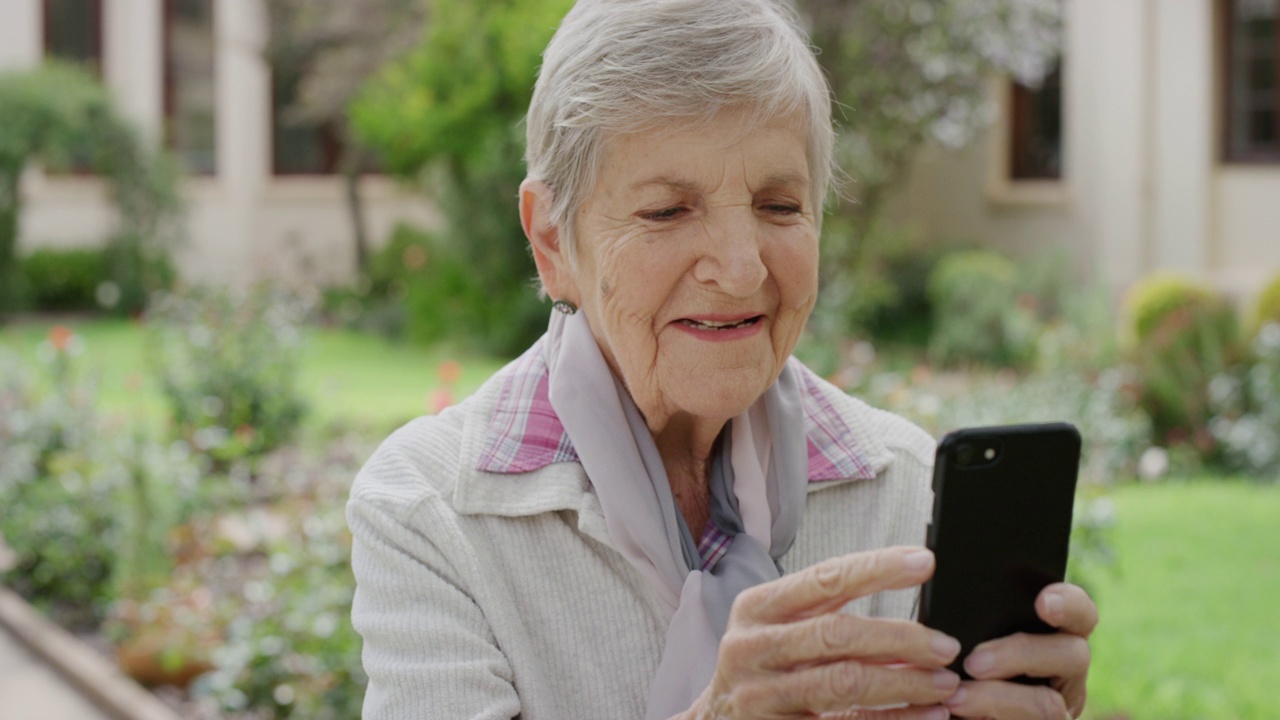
(1063, 657)
(789, 653)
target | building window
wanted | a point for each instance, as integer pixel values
(189, 125)
(1252, 70)
(73, 32)
(1035, 124)
(299, 147)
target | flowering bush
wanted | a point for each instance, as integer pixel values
(1247, 422)
(978, 313)
(1267, 308)
(1184, 336)
(290, 649)
(228, 368)
(86, 507)
(1113, 430)
(274, 581)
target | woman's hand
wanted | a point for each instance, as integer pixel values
(1063, 657)
(788, 652)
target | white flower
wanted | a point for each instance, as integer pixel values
(1153, 464)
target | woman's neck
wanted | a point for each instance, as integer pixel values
(686, 446)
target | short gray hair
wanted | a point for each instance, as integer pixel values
(620, 66)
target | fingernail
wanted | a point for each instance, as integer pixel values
(944, 646)
(937, 713)
(1053, 604)
(918, 561)
(979, 663)
(957, 698)
(945, 679)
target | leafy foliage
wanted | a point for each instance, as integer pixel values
(88, 507)
(979, 315)
(1267, 308)
(290, 649)
(448, 115)
(63, 279)
(1184, 336)
(58, 114)
(326, 50)
(228, 368)
(908, 72)
(1246, 419)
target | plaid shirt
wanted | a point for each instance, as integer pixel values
(525, 435)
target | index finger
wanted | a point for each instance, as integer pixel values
(828, 585)
(1069, 608)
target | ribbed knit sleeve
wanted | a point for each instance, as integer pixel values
(428, 649)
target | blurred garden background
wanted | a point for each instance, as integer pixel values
(243, 240)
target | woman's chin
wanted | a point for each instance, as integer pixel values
(720, 399)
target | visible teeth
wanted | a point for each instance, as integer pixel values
(709, 325)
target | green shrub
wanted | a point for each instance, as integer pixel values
(1247, 409)
(227, 366)
(57, 114)
(86, 509)
(290, 649)
(1183, 336)
(904, 314)
(978, 313)
(135, 270)
(63, 279)
(1267, 308)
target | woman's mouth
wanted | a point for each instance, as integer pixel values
(720, 325)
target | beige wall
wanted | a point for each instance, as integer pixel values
(1144, 188)
(1246, 227)
(243, 225)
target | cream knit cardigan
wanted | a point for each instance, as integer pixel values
(483, 595)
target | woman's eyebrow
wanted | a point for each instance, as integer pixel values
(785, 179)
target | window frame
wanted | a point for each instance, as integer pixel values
(1226, 65)
(168, 88)
(1021, 99)
(97, 65)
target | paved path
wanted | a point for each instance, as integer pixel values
(47, 674)
(31, 690)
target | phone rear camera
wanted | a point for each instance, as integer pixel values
(965, 454)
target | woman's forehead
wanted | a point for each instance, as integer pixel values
(685, 158)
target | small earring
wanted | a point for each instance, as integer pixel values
(565, 307)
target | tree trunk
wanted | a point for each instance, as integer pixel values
(9, 205)
(352, 170)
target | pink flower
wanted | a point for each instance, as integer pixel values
(60, 337)
(449, 372)
(439, 400)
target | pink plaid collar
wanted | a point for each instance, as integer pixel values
(526, 435)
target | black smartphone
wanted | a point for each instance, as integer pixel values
(1002, 502)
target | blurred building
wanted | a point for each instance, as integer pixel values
(264, 196)
(1157, 145)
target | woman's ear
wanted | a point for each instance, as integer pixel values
(536, 198)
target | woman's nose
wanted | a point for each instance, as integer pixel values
(731, 259)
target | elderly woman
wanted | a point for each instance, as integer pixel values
(656, 511)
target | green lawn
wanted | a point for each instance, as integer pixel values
(1191, 620)
(348, 377)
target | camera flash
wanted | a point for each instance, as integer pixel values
(989, 453)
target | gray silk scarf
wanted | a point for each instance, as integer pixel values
(758, 486)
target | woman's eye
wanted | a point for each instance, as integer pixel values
(782, 209)
(665, 214)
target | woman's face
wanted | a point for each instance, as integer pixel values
(697, 262)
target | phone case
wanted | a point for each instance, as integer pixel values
(1000, 530)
